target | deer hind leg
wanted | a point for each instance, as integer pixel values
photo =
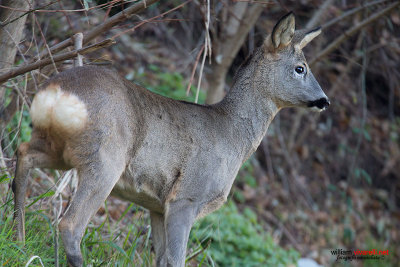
(28, 156)
(179, 219)
(96, 181)
(158, 235)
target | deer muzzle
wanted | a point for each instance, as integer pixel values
(319, 104)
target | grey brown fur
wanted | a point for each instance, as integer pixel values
(176, 159)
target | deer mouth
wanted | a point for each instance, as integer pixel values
(319, 105)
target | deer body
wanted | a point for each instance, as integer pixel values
(176, 159)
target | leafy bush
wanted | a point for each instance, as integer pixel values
(238, 240)
(169, 84)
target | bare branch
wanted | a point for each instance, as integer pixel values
(78, 38)
(45, 42)
(108, 24)
(3, 24)
(90, 35)
(207, 49)
(42, 10)
(60, 57)
(351, 12)
(316, 18)
(150, 20)
(352, 31)
(194, 69)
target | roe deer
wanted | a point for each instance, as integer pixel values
(176, 159)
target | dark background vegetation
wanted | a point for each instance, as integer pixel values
(317, 182)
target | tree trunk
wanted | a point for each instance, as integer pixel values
(227, 45)
(10, 36)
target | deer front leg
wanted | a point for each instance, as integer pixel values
(95, 184)
(179, 219)
(158, 236)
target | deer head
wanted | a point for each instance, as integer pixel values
(293, 82)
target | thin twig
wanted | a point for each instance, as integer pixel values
(6, 113)
(351, 12)
(293, 167)
(66, 15)
(108, 24)
(194, 69)
(270, 217)
(314, 21)
(22, 95)
(201, 73)
(269, 164)
(23, 57)
(45, 42)
(42, 10)
(208, 40)
(352, 31)
(150, 20)
(3, 24)
(18, 128)
(363, 118)
(207, 50)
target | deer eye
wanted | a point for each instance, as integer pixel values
(299, 69)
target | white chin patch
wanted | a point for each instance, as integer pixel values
(63, 111)
(316, 109)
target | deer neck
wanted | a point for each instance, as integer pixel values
(248, 109)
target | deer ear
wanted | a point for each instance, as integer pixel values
(283, 31)
(309, 36)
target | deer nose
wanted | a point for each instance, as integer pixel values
(321, 103)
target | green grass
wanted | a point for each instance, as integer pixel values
(119, 243)
(224, 238)
(39, 240)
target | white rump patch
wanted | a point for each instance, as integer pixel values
(54, 108)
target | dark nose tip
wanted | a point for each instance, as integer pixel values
(327, 102)
(321, 103)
